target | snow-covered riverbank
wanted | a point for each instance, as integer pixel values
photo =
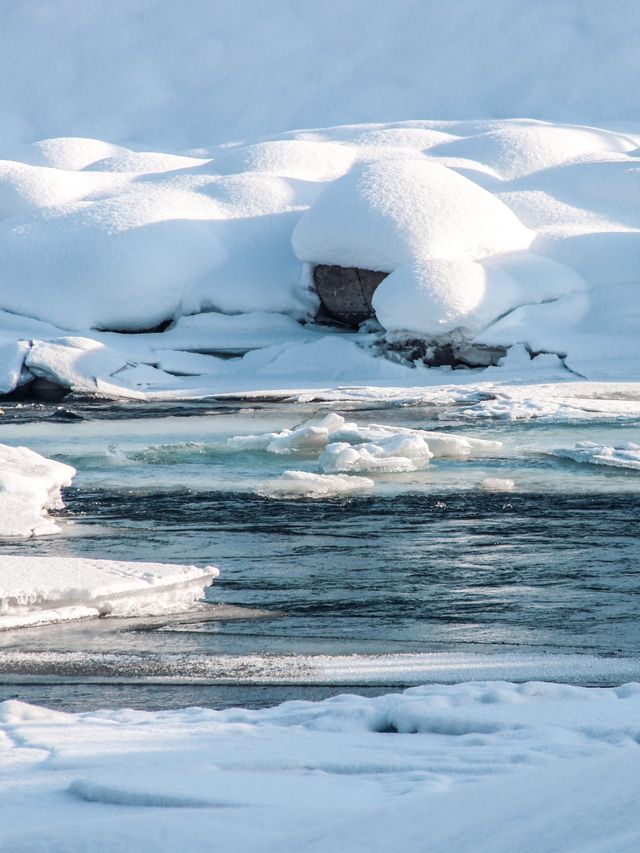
(487, 766)
(516, 234)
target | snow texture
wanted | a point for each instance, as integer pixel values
(29, 485)
(484, 766)
(37, 590)
(502, 233)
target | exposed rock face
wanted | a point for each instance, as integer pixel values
(346, 295)
(454, 354)
(346, 292)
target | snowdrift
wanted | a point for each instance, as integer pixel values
(136, 197)
(148, 73)
(494, 233)
(484, 766)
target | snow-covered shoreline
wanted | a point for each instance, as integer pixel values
(498, 234)
(489, 766)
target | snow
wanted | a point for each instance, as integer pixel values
(393, 454)
(150, 75)
(303, 484)
(37, 590)
(503, 233)
(384, 214)
(29, 485)
(487, 765)
(625, 456)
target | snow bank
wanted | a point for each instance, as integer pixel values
(485, 766)
(497, 232)
(29, 485)
(36, 590)
(302, 484)
(143, 197)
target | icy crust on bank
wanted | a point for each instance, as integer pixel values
(29, 486)
(496, 233)
(485, 765)
(37, 590)
(625, 456)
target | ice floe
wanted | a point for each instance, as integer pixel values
(497, 484)
(394, 454)
(625, 456)
(303, 484)
(37, 590)
(30, 485)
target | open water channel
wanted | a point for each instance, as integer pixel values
(428, 577)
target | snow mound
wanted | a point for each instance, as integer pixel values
(392, 212)
(499, 233)
(36, 590)
(301, 484)
(395, 454)
(29, 485)
(626, 456)
(176, 81)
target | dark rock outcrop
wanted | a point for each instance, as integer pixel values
(346, 293)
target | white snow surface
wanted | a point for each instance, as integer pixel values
(510, 232)
(134, 193)
(143, 72)
(29, 485)
(41, 589)
(482, 766)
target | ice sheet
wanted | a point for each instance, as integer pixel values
(36, 590)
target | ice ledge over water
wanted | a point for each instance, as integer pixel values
(29, 485)
(38, 590)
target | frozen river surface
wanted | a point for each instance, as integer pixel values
(430, 576)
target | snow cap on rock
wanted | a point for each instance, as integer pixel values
(387, 213)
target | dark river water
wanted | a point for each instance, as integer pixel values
(437, 568)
